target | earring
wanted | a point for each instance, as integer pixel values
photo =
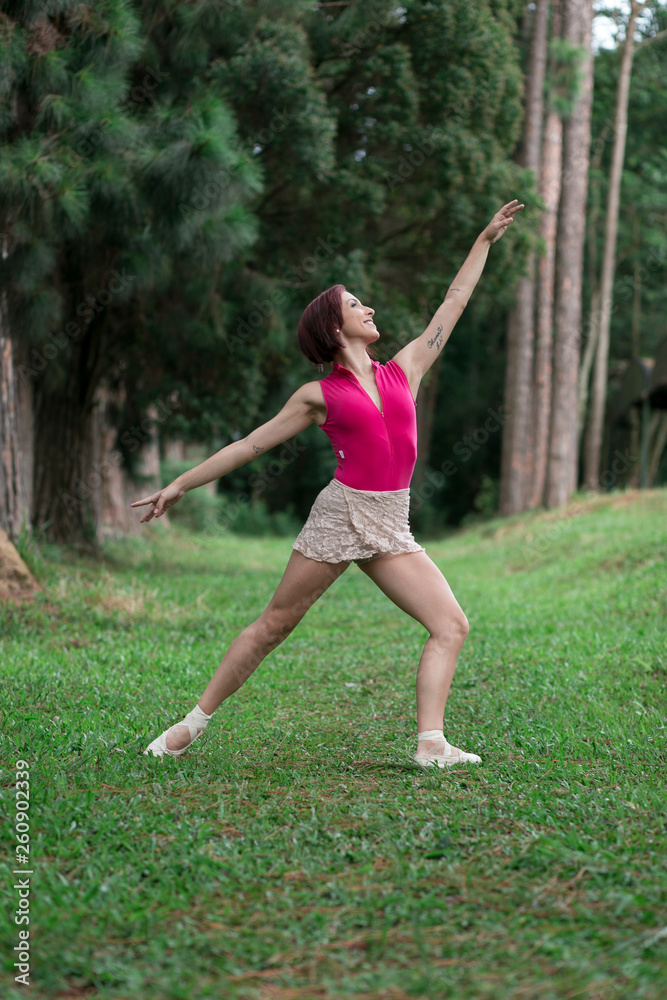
(320, 367)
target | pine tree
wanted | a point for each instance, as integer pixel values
(103, 149)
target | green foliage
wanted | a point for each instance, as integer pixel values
(298, 826)
(113, 163)
(641, 257)
(236, 158)
(564, 77)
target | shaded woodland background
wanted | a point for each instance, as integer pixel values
(178, 180)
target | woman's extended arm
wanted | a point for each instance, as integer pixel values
(417, 357)
(299, 411)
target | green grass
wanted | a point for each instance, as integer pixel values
(297, 852)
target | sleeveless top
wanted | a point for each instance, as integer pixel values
(375, 450)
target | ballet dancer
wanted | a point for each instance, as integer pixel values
(368, 411)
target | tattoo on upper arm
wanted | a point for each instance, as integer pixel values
(257, 449)
(436, 340)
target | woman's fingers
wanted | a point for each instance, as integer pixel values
(159, 502)
(511, 207)
(142, 503)
(153, 510)
(503, 218)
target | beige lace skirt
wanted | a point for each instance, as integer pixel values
(347, 525)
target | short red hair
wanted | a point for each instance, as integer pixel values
(319, 326)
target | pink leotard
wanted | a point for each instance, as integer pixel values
(375, 451)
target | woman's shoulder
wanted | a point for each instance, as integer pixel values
(310, 392)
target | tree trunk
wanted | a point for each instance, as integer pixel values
(26, 429)
(67, 478)
(12, 498)
(587, 360)
(593, 446)
(552, 151)
(592, 258)
(516, 465)
(64, 478)
(657, 446)
(637, 292)
(562, 461)
(12, 506)
(516, 441)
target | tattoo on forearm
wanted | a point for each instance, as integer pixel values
(257, 449)
(436, 340)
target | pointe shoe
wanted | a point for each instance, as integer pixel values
(195, 727)
(448, 758)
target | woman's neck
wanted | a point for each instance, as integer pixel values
(358, 362)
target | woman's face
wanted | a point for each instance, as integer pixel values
(357, 320)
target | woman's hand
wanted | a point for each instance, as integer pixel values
(501, 221)
(160, 501)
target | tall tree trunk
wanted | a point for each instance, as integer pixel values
(12, 498)
(562, 461)
(64, 505)
(516, 464)
(637, 289)
(550, 183)
(594, 283)
(587, 360)
(657, 445)
(593, 446)
(12, 502)
(67, 478)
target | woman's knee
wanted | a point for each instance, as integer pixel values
(273, 627)
(462, 626)
(452, 628)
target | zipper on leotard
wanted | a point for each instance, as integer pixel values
(381, 412)
(386, 425)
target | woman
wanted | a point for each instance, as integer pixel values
(368, 412)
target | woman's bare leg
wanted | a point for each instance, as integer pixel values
(415, 585)
(304, 581)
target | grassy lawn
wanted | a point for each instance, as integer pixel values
(297, 852)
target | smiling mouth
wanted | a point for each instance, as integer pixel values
(369, 321)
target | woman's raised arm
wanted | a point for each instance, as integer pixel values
(299, 411)
(417, 357)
